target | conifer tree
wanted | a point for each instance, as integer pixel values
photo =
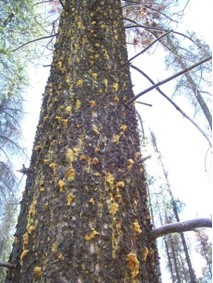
(84, 214)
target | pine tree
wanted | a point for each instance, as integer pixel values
(17, 25)
(84, 214)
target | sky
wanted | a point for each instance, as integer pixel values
(183, 148)
(199, 18)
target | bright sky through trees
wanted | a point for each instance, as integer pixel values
(182, 146)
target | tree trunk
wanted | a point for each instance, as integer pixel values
(191, 83)
(84, 214)
(185, 248)
(170, 240)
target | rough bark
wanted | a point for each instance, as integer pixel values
(84, 214)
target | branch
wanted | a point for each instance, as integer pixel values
(179, 227)
(31, 41)
(10, 141)
(151, 8)
(7, 265)
(138, 25)
(175, 105)
(145, 158)
(160, 29)
(169, 79)
(145, 27)
(24, 170)
(156, 40)
(141, 122)
(62, 4)
(143, 103)
(43, 2)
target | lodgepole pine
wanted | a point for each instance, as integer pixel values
(84, 214)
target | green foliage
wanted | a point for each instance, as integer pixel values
(17, 22)
(18, 25)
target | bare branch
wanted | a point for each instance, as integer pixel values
(24, 170)
(145, 49)
(62, 4)
(145, 27)
(180, 227)
(169, 79)
(158, 28)
(7, 265)
(34, 40)
(138, 25)
(143, 103)
(43, 2)
(145, 158)
(6, 140)
(174, 104)
(156, 10)
(141, 122)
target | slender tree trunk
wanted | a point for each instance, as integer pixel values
(84, 214)
(204, 250)
(185, 248)
(168, 253)
(175, 260)
(191, 83)
(177, 218)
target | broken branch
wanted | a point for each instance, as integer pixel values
(179, 227)
(169, 79)
(7, 264)
(174, 104)
(34, 40)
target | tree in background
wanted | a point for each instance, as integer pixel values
(196, 84)
(167, 210)
(204, 248)
(8, 220)
(153, 23)
(17, 25)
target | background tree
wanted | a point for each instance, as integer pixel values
(156, 23)
(167, 210)
(8, 220)
(204, 247)
(17, 25)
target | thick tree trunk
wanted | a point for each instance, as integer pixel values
(84, 215)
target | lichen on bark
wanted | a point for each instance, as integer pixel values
(86, 196)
